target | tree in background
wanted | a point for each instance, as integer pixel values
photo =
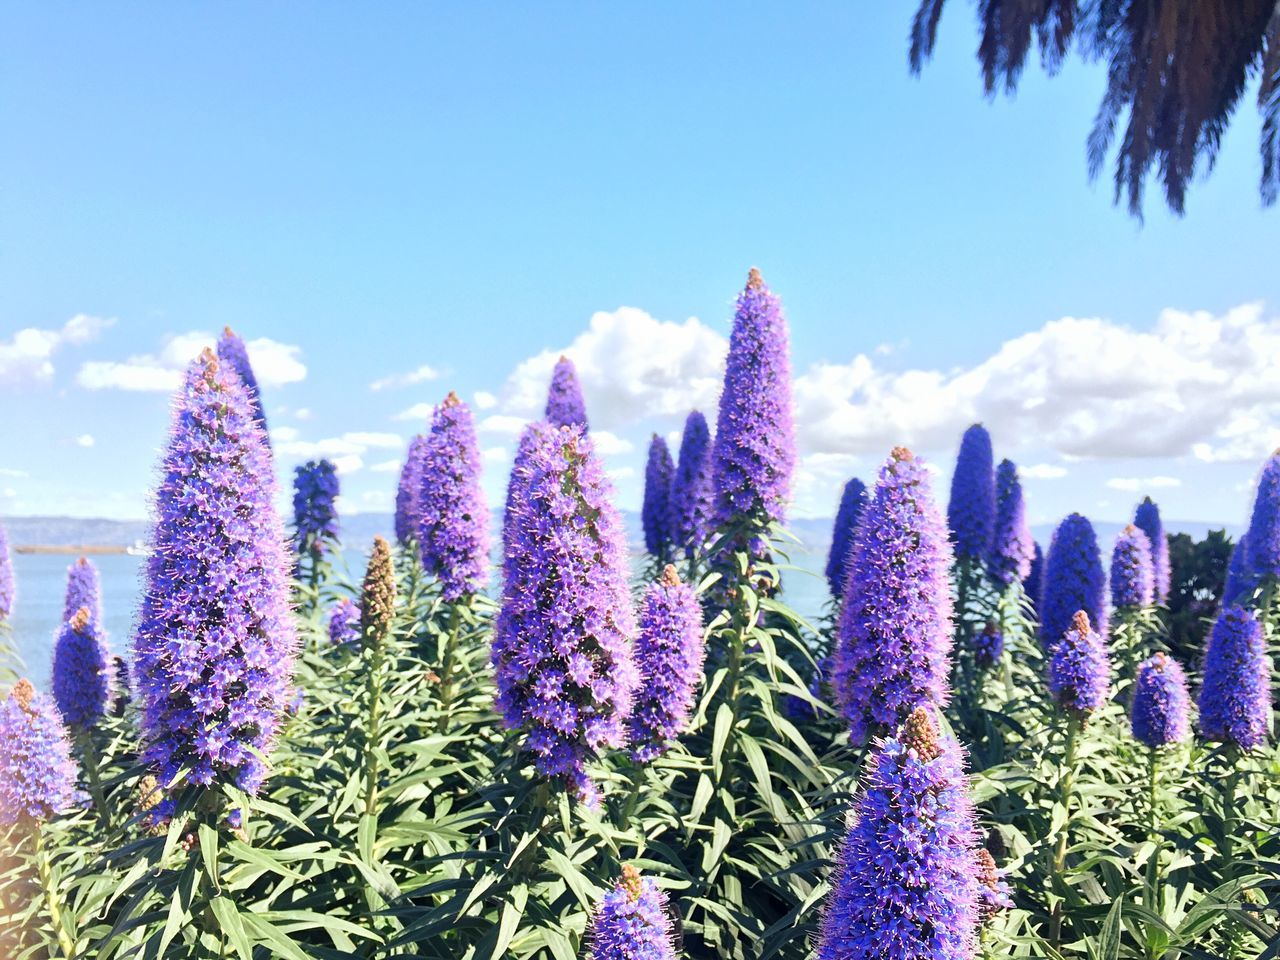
(1198, 569)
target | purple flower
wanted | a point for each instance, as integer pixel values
(1160, 702)
(83, 590)
(233, 354)
(754, 454)
(993, 890)
(632, 922)
(453, 536)
(565, 407)
(1147, 519)
(344, 622)
(315, 510)
(519, 473)
(692, 493)
(409, 491)
(37, 776)
(1235, 697)
(123, 684)
(893, 643)
(81, 671)
(1080, 670)
(852, 502)
(1242, 581)
(971, 512)
(988, 646)
(1264, 524)
(1033, 583)
(1132, 571)
(8, 591)
(1073, 580)
(215, 640)
(1013, 549)
(907, 881)
(562, 648)
(669, 653)
(655, 512)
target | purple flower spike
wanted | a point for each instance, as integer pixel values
(8, 591)
(215, 640)
(669, 655)
(515, 486)
(1132, 571)
(1080, 670)
(1242, 580)
(233, 355)
(993, 890)
(852, 502)
(907, 881)
(37, 776)
(1013, 549)
(1264, 524)
(1160, 702)
(655, 513)
(562, 647)
(1235, 698)
(893, 645)
(754, 452)
(971, 512)
(81, 671)
(692, 493)
(344, 622)
(988, 646)
(565, 407)
(632, 922)
(83, 590)
(315, 509)
(1147, 519)
(1033, 584)
(453, 537)
(1073, 580)
(408, 516)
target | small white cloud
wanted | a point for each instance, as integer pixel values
(377, 499)
(302, 413)
(1135, 484)
(10, 492)
(347, 464)
(621, 473)
(85, 440)
(28, 354)
(9, 472)
(419, 411)
(1043, 471)
(493, 455)
(421, 375)
(501, 423)
(386, 466)
(388, 440)
(485, 400)
(274, 364)
(608, 444)
(283, 434)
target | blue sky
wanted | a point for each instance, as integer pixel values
(464, 187)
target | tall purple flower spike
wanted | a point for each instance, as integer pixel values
(1147, 519)
(1264, 524)
(1235, 697)
(1241, 580)
(408, 515)
(37, 775)
(1080, 669)
(83, 590)
(893, 644)
(971, 511)
(215, 639)
(82, 671)
(562, 649)
(907, 882)
(1033, 583)
(1132, 570)
(453, 536)
(632, 922)
(655, 512)
(692, 493)
(565, 407)
(1073, 580)
(344, 622)
(8, 590)
(315, 508)
(852, 502)
(1160, 702)
(669, 654)
(754, 452)
(233, 354)
(1013, 549)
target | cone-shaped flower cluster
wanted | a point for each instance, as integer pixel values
(632, 922)
(1160, 702)
(993, 890)
(83, 590)
(894, 640)
(656, 515)
(453, 536)
(988, 646)
(344, 622)
(1241, 579)
(215, 640)
(81, 671)
(378, 595)
(565, 406)
(562, 646)
(1132, 571)
(692, 494)
(852, 502)
(315, 508)
(1264, 524)
(233, 355)
(907, 885)
(1073, 580)
(754, 454)
(1013, 548)
(8, 591)
(1033, 583)
(1080, 669)
(37, 777)
(1147, 519)
(407, 515)
(669, 653)
(1235, 699)
(971, 511)
(510, 520)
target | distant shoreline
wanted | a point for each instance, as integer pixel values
(71, 548)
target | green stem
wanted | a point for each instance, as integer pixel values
(52, 901)
(1151, 894)
(447, 666)
(373, 687)
(1066, 788)
(737, 644)
(93, 777)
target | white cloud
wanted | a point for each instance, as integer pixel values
(422, 374)
(1135, 484)
(485, 400)
(28, 355)
(348, 463)
(10, 472)
(10, 492)
(302, 413)
(283, 434)
(347, 451)
(85, 440)
(386, 466)
(621, 473)
(274, 364)
(1043, 471)
(391, 440)
(419, 411)
(493, 455)
(608, 444)
(503, 424)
